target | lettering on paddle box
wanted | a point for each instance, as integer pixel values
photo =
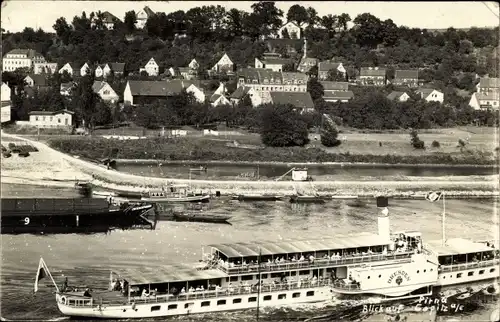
(398, 277)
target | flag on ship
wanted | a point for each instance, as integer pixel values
(434, 196)
(41, 273)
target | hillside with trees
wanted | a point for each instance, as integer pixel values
(449, 61)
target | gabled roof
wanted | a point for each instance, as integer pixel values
(290, 22)
(395, 95)
(308, 61)
(159, 88)
(372, 71)
(275, 60)
(260, 74)
(491, 96)
(50, 112)
(406, 74)
(338, 95)
(38, 79)
(148, 11)
(489, 82)
(425, 91)
(98, 85)
(117, 67)
(240, 92)
(108, 17)
(225, 55)
(297, 99)
(335, 86)
(30, 53)
(325, 66)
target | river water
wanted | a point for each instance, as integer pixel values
(221, 171)
(84, 259)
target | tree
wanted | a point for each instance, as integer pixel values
(85, 101)
(329, 133)
(313, 72)
(63, 30)
(343, 20)
(285, 34)
(130, 20)
(282, 126)
(329, 22)
(298, 14)
(312, 17)
(415, 140)
(335, 75)
(269, 17)
(315, 89)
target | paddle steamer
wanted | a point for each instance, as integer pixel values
(252, 275)
(174, 193)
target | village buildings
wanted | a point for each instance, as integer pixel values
(6, 103)
(336, 92)
(142, 16)
(151, 68)
(105, 91)
(430, 95)
(406, 78)
(375, 76)
(147, 92)
(21, 58)
(326, 67)
(398, 96)
(49, 119)
(45, 68)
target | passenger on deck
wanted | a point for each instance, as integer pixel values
(311, 259)
(183, 290)
(87, 293)
(294, 259)
(191, 290)
(144, 293)
(301, 259)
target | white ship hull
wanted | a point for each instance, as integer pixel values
(396, 292)
(153, 309)
(468, 273)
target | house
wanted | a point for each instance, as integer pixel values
(151, 68)
(325, 67)
(487, 84)
(265, 81)
(292, 29)
(71, 69)
(146, 92)
(117, 68)
(142, 16)
(488, 100)
(6, 103)
(105, 91)
(300, 100)
(372, 76)
(102, 70)
(21, 58)
(47, 119)
(273, 63)
(194, 64)
(45, 68)
(218, 98)
(406, 78)
(306, 63)
(36, 81)
(225, 64)
(85, 69)
(187, 72)
(66, 88)
(430, 95)
(398, 96)
(243, 91)
(338, 96)
(109, 20)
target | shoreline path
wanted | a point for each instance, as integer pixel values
(50, 167)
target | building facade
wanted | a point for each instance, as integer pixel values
(46, 119)
(21, 58)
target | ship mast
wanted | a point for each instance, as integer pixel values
(443, 221)
(258, 285)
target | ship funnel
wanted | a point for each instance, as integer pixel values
(384, 229)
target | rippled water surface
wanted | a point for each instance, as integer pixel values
(86, 258)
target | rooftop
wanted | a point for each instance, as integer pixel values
(489, 82)
(238, 250)
(325, 66)
(372, 71)
(395, 94)
(167, 274)
(297, 99)
(335, 86)
(338, 95)
(406, 74)
(456, 246)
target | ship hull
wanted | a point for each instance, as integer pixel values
(154, 309)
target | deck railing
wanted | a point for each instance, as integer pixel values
(317, 263)
(465, 266)
(346, 286)
(221, 293)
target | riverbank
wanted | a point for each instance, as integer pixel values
(204, 150)
(50, 165)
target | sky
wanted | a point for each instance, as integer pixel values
(18, 14)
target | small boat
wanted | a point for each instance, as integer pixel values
(306, 199)
(177, 193)
(201, 217)
(256, 197)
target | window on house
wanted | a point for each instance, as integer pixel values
(106, 92)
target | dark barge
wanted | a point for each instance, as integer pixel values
(84, 215)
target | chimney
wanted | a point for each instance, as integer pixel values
(305, 48)
(384, 229)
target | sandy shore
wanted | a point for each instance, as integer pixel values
(53, 168)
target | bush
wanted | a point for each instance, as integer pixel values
(435, 144)
(329, 134)
(283, 126)
(415, 140)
